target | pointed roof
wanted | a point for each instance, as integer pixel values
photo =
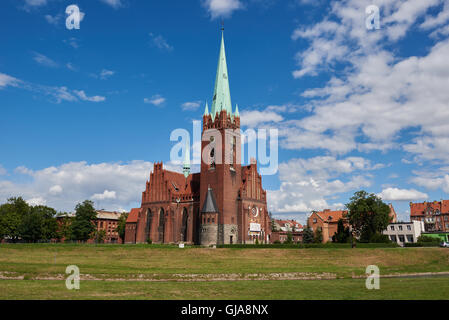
(222, 96)
(210, 205)
(236, 113)
(206, 110)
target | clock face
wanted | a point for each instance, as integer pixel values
(255, 211)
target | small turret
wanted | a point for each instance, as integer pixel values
(186, 164)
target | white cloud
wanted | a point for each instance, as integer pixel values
(106, 195)
(160, 42)
(57, 189)
(193, 105)
(54, 20)
(64, 186)
(255, 117)
(156, 100)
(36, 201)
(376, 82)
(309, 184)
(6, 80)
(395, 194)
(2, 171)
(222, 8)
(113, 3)
(104, 74)
(82, 95)
(44, 60)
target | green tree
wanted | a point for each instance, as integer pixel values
(12, 214)
(39, 224)
(121, 226)
(318, 237)
(82, 225)
(307, 235)
(99, 235)
(368, 215)
(289, 238)
(342, 235)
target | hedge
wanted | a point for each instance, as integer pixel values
(308, 245)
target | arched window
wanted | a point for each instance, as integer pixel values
(161, 228)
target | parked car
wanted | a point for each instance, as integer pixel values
(444, 244)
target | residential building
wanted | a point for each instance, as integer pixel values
(404, 232)
(435, 215)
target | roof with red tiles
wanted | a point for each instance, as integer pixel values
(133, 215)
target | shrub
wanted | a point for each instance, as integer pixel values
(423, 238)
(149, 241)
(379, 238)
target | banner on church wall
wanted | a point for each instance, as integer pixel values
(254, 227)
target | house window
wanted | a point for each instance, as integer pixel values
(393, 238)
(409, 238)
(314, 220)
(400, 228)
(409, 227)
(401, 238)
(392, 228)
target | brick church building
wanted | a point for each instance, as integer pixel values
(222, 204)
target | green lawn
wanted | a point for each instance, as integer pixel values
(129, 262)
(420, 288)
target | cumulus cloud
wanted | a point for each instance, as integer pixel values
(312, 184)
(189, 106)
(106, 195)
(395, 194)
(6, 80)
(222, 8)
(54, 20)
(156, 100)
(82, 95)
(116, 185)
(36, 201)
(255, 117)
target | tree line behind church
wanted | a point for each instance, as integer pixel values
(22, 222)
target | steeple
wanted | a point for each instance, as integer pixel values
(222, 96)
(186, 165)
(206, 110)
(236, 113)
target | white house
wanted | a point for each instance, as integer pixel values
(403, 232)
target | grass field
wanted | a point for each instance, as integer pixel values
(147, 272)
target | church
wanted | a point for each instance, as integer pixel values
(222, 204)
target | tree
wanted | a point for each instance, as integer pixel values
(289, 238)
(99, 235)
(343, 234)
(318, 237)
(12, 214)
(368, 215)
(121, 226)
(307, 235)
(82, 226)
(39, 224)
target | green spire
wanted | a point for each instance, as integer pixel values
(236, 113)
(206, 110)
(222, 95)
(186, 165)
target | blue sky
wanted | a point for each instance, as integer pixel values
(84, 113)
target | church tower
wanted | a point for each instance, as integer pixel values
(221, 169)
